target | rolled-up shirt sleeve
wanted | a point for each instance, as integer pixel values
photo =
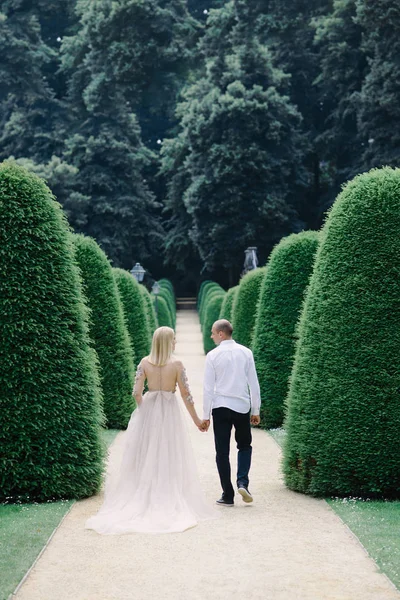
(208, 388)
(254, 387)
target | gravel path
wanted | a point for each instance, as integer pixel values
(283, 546)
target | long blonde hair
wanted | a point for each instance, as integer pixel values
(161, 346)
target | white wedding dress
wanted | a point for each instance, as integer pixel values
(156, 489)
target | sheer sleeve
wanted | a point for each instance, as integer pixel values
(184, 384)
(139, 381)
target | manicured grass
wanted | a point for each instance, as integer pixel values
(376, 523)
(24, 531)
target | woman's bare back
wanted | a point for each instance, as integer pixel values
(163, 378)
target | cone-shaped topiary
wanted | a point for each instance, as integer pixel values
(163, 313)
(201, 292)
(166, 295)
(209, 290)
(245, 307)
(211, 315)
(343, 405)
(150, 311)
(108, 331)
(211, 293)
(50, 395)
(165, 284)
(288, 272)
(204, 289)
(227, 305)
(135, 312)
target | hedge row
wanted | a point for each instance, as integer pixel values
(150, 310)
(136, 313)
(343, 404)
(51, 400)
(244, 311)
(108, 331)
(288, 272)
(67, 360)
(210, 288)
(166, 304)
(209, 302)
(227, 305)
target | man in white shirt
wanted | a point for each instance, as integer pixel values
(232, 392)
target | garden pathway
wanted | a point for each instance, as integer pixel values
(283, 546)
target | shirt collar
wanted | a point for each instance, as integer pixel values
(227, 342)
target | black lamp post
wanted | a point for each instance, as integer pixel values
(156, 290)
(138, 272)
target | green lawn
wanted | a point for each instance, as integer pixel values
(375, 523)
(24, 531)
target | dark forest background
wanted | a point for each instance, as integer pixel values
(179, 133)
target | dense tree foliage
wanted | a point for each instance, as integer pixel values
(168, 128)
(50, 397)
(343, 409)
(379, 112)
(236, 127)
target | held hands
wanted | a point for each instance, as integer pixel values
(255, 419)
(203, 425)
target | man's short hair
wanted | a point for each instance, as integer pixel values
(224, 325)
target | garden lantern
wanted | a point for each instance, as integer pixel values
(138, 272)
(250, 259)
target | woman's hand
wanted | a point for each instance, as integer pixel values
(197, 421)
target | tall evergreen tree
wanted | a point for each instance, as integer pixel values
(342, 67)
(143, 48)
(287, 27)
(379, 111)
(243, 146)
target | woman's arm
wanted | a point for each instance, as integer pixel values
(186, 393)
(138, 387)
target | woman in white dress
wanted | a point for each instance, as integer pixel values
(156, 489)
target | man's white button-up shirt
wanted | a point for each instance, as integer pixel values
(230, 380)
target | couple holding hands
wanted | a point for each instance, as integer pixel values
(157, 489)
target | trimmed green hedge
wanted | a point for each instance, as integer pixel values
(108, 331)
(167, 292)
(163, 312)
(210, 289)
(201, 292)
(51, 415)
(137, 322)
(227, 305)
(212, 311)
(150, 311)
(288, 273)
(343, 405)
(164, 293)
(245, 306)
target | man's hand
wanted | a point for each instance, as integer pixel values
(255, 419)
(204, 425)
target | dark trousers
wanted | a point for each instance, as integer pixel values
(223, 420)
